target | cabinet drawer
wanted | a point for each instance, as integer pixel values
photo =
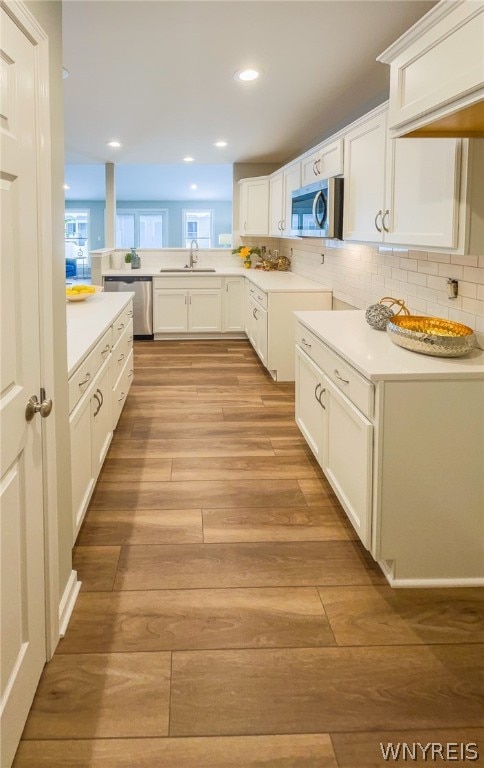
(84, 375)
(356, 388)
(258, 295)
(122, 321)
(187, 281)
(121, 352)
(121, 389)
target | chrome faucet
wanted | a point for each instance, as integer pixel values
(193, 253)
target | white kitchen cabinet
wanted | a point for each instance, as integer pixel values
(437, 72)
(400, 440)
(400, 191)
(338, 433)
(323, 163)
(101, 421)
(82, 478)
(281, 186)
(187, 304)
(270, 324)
(254, 206)
(234, 304)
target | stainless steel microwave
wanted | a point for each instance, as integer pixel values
(317, 210)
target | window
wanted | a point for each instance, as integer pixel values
(76, 243)
(140, 229)
(198, 226)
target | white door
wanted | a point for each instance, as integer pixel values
(170, 310)
(347, 457)
(205, 310)
(23, 644)
(309, 408)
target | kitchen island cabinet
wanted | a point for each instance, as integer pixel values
(406, 467)
(95, 329)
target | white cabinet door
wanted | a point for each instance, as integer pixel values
(331, 159)
(101, 421)
(292, 181)
(422, 193)
(234, 304)
(205, 310)
(258, 330)
(276, 212)
(364, 163)
(254, 206)
(81, 459)
(309, 409)
(347, 457)
(170, 310)
(309, 169)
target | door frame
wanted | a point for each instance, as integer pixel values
(22, 17)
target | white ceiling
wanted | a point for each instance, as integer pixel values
(158, 75)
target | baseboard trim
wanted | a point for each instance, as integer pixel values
(68, 602)
(430, 583)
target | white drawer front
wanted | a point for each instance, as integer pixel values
(356, 388)
(258, 295)
(84, 375)
(121, 389)
(122, 321)
(121, 352)
(185, 282)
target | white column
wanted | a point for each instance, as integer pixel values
(110, 215)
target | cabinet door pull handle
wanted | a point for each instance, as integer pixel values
(130, 374)
(105, 350)
(100, 395)
(303, 341)
(338, 376)
(121, 357)
(83, 383)
(254, 312)
(226, 287)
(318, 386)
(320, 401)
(122, 397)
(379, 229)
(387, 213)
(185, 298)
(318, 166)
(283, 225)
(130, 313)
(98, 404)
(130, 340)
(120, 327)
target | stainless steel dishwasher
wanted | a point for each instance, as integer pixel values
(142, 302)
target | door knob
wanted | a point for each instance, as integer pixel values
(33, 406)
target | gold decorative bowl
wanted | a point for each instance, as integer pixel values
(431, 335)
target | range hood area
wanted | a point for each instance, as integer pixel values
(437, 74)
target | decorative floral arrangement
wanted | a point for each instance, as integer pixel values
(246, 252)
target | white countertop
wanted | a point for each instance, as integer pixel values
(88, 320)
(377, 358)
(273, 281)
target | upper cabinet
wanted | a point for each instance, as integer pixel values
(407, 191)
(281, 185)
(254, 206)
(437, 73)
(323, 163)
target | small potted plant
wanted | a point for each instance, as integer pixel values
(127, 259)
(246, 252)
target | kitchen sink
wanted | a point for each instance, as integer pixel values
(187, 269)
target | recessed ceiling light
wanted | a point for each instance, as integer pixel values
(188, 159)
(220, 144)
(65, 73)
(193, 186)
(66, 186)
(115, 144)
(247, 74)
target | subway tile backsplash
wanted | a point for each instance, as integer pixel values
(360, 275)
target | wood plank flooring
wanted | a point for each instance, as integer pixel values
(229, 616)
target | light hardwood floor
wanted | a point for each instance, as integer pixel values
(229, 616)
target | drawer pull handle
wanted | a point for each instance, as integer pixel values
(338, 376)
(130, 374)
(303, 341)
(130, 340)
(130, 313)
(105, 350)
(122, 397)
(260, 298)
(120, 327)
(83, 383)
(121, 357)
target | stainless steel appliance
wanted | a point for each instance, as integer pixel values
(317, 210)
(142, 302)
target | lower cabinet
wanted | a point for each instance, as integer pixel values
(98, 389)
(234, 304)
(191, 304)
(205, 310)
(257, 330)
(339, 435)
